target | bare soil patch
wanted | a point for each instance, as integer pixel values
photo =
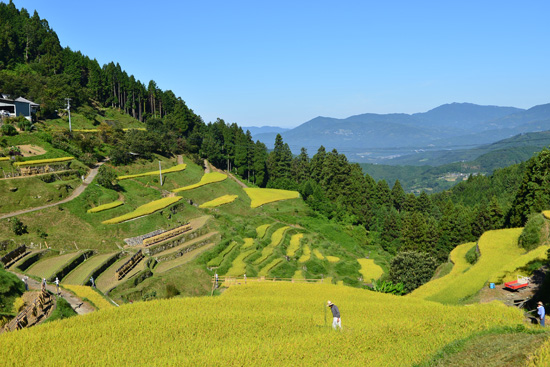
(31, 150)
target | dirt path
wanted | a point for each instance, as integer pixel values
(79, 190)
(209, 168)
(76, 303)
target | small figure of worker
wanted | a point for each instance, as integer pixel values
(541, 312)
(336, 320)
(25, 281)
(92, 281)
(216, 277)
(43, 283)
(57, 285)
(244, 278)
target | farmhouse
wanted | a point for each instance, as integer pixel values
(18, 107)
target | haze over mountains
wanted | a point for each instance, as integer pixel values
(383, 138)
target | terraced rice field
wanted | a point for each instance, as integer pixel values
(460, 266)
(168, 265)
(179, 167)
(266, 269)
(298, 275)
(226, 199)
(369, 270)
(318, 254)
(498, 249)
(81, 273)
(238, 267)
(208, 178)
(261, 197)
(286, 328)
(42, 161)
(107, 206)
(184, 245)
(305, 255)
(261, 230)
(294, 244)
(47, 267)
(83, 291)
(145, 209)
(276, 239)
(107, 280)
(248, 242)
(332, 259)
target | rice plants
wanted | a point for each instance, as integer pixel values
(260, 197)
(145, 209)
(226, 199)
(42, 161)
(177, 168)
(205, 180)
(369, 270)
(107, 206)
(294, 244)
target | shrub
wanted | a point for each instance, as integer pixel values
(530, 237)
(472, 255)
(18, 227)
(106, 177)
(171, 291)
(412, 269)
(8, 130)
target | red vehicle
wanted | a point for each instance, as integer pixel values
(521, 282)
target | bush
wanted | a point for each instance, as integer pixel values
(531, 236)
(107, 177)
(18, 227)
(472, 255)
(9, 130)
(412, 269)
(171, 291)
(63, 310)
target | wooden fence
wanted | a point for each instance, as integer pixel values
(13, 256)
(129, 265)
(35, 309)
(166, 235)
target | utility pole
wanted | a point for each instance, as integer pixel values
(160, 172)
(69, 110)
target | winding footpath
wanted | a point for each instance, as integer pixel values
(79, 190)
(81, 307)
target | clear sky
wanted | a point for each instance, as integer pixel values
(282, 63)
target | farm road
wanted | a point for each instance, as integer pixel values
(76, 303)
(79, 190)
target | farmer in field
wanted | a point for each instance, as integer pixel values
(57, 285)
(336, 320)
(541, 312)
(92, 281)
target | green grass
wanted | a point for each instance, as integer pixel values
(238, 267)
(189, 256)
(215, 262)
(492, 348)
(80, 275)
(63, 310)
(47, 267)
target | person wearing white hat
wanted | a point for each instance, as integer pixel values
(541, 312)
(336, 320)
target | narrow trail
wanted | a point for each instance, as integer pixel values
(79, 190)
(81, 307)
(210, 168)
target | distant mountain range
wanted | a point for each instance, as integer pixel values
(265, 130)
(389, 138)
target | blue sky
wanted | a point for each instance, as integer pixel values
(282, 63)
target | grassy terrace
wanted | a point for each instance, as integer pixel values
(81, 273)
